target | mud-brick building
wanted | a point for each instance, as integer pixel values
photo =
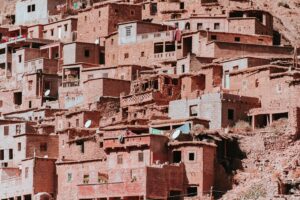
(153, 168)
(64, 30)
(149, 97)
(142, 43)
(101, 20)
(220, 109)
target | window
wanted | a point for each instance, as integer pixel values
(90, 76)
(192, 191)
(29, 8)
(81, 146)
(236, 67)
(187, 26)
(112, 41)
(2, 154)
(10, 154)
(193, 110)
(175, 81)
(101, 144)
(191, 156)
(33, 7)
(66, 27)
(1, 103)
(213, 37)
(199, 26)
(26, 172)
(120, 159)
(87, 53)
(77, 122)
(85, 18)
(52, 32)
(132, 12)
(6, 130)
(216, 26)
(126, 55)
(43, 147)
(278, 88)
(18, 129)
(29, 104)
(182, 68)
(69, 177)
(181, 5)
(99, 13)
(141, 156)
(19, 146)
(86, 178)
(20, 58)
(256, 82)
(230, 114)
(237, 39)
(128, 30)
(142, 54)
(176, 156)
(116, 11)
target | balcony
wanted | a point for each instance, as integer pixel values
(137, 99)
(89, 191)
(165, 56)
(132, 141)
(74, 83)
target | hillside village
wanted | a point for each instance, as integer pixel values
(149, 99)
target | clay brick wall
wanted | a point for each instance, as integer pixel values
(44, 179)
(33, 145)
(67, 188)
(102, 21)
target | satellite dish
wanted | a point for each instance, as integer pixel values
(47, 93)
(176, 134)
(88, 123)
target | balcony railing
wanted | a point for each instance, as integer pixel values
(165, 56)
(136, 99)
(75, 83)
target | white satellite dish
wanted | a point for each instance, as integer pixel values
(47, 93)
(88, 123)
(176, 134)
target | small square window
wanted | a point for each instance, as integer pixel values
(230, 114)
(6, 130)
(69, 177)
(237, 39)
(191, 156)
(87, 53)
(199, 26)
(120, 159)
(132, 12)
(141, 156)
(86, 178)
(26, 172)
(128, 31)
(19, 146)
(216, 26)
(142, 54)
(126, 55)
(213, 37)
(10, 154)
(43, 147)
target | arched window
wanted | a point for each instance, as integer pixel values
(187, 26)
